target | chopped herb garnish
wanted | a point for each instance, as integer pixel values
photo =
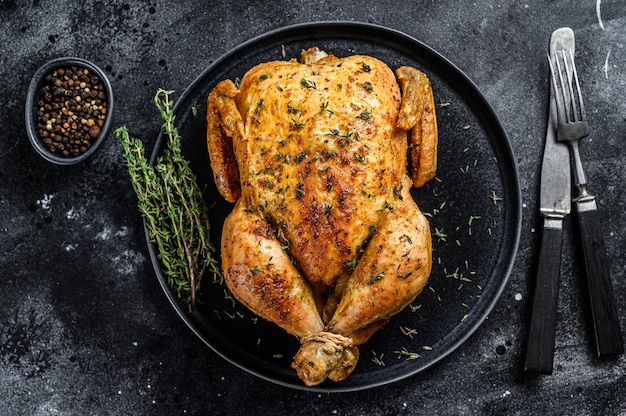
(351, 264)
(495, 198)
(300, 157)
(378, 360)
(308, 83)
(409, 355)
(330, 183)
(296, 124)
(472, 218)
(405, 275)
(415, 308)
(440, 234)
(396, 192)
(373, 279)
(300, 190)
(409, 332)
(365, 115)
(455, 274)
(268, 184)
(291, 109)
(324, 107)
(442, 104)
(228, 296)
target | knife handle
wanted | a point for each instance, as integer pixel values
(540, 343)
(606, 327)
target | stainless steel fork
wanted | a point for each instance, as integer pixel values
(573, 126)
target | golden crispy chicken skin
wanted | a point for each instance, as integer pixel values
(325, 239)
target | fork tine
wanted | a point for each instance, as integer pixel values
(569, 99)
(566, 89)
(575, 110)
(581, 111)
(572, 113)
(559, 95)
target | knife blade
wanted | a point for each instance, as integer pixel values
(554, 206)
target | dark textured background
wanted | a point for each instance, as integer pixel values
(84, 326)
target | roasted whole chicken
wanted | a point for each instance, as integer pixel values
(319, 156)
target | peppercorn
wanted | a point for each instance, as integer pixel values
(68, 122)
(94, 132)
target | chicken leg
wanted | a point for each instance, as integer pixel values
(263, 278)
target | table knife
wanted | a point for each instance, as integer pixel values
(554, 206)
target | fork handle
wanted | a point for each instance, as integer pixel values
(540, 342)
(606, 327)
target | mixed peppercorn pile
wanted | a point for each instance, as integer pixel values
(71, 110)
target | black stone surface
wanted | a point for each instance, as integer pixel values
(84, 326)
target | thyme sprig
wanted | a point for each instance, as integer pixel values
(173, 207)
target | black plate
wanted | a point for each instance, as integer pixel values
(475, 202)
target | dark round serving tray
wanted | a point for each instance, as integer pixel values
(475, 201)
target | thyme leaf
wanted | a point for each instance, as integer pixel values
(308, 83)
